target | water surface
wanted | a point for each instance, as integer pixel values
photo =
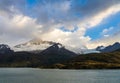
(31, 75)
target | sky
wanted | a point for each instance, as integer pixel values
(77, 24)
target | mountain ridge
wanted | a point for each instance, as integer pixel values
(109, 48)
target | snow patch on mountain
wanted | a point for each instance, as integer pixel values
(33, 45)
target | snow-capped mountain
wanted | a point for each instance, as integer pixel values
(35, 45)
(38, 45)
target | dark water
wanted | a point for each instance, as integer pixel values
(31, 75)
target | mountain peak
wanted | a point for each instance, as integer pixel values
(111, 48)
(100, 48)
(36, 45)
(5, 49)
(116, 43)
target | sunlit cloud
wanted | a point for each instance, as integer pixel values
(64, 21)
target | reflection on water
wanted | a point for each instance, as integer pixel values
(31, 75)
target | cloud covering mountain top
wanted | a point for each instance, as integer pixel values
(64, 21)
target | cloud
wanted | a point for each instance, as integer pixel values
(17, 28)
(44, 18)
(107, 32)
(100, 17)
(54, 12)
(113, 36)
(72, 41)
(105, 41)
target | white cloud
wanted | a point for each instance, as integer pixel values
(17, 28)
(97, 20)
(100, 17)
(20, 27)
(107, 32)
(73, 41)
(105, 41)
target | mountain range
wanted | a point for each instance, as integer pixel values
(48, 54)
(40, 46)
(109, 48)
(43, 52)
